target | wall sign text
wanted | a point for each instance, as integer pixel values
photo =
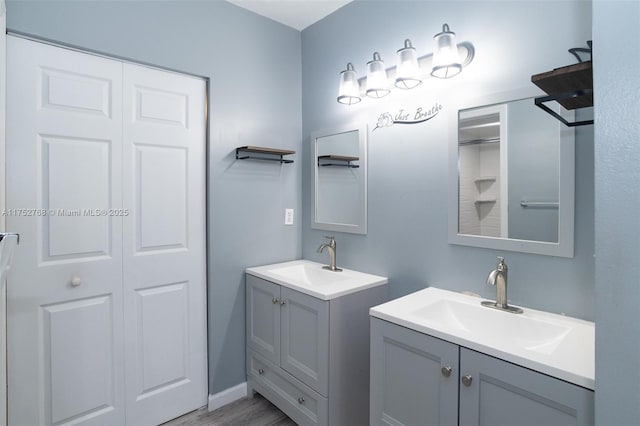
(407, 116)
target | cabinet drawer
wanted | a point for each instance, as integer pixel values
(297, 400)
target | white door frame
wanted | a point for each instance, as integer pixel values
(3, 300)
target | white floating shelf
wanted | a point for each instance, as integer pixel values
(485, 201)
(485, 179)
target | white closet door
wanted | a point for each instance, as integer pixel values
(164, 244)
(65, 328)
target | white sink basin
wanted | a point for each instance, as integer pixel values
(556, 345)
(472, 319)
(310, 278)
(310, 274)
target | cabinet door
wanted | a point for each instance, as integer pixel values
(414, 377)
(305, 339)
(504, 394)
(263, 318)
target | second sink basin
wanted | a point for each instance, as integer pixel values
(530, 334)
(556, 345)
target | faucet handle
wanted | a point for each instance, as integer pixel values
(501, 265)
(332, 240)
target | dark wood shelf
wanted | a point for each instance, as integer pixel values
(266, 154)
(342, 161)
(571, 86)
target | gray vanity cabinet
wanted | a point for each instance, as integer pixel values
(289, 361)
(413, 377)
(501, 393)
(263, 318)
(411, 384)
(289, 329)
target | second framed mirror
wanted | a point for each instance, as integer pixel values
(339, 179)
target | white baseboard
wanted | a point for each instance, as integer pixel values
(227, 396)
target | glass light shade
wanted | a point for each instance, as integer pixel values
(349, 91)
(377, 81)
(446, 61)
(408, 70)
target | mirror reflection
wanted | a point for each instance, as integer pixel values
(339, 166)
(509, 172)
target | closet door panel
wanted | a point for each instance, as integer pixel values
(164, 244)
(161, 198)
(65, 309)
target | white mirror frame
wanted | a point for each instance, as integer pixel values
(359, 228)
(564, 246)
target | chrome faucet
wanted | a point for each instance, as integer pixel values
(498, 278)
(331, 246)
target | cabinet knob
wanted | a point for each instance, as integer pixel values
(260, 371)
(466, 380)
(301, 400)
(283, 302)
(274, 300)
(75, 281)
(446, 371)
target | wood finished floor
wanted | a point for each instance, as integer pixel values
(255, 411)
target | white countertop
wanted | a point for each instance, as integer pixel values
(310, 278)
(556, 345)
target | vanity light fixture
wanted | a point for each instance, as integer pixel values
(377, 80)
(447, 61)
(408, 70)
(349, 91)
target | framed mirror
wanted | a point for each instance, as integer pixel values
(339, 179)
(512, 178)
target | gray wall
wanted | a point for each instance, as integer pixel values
(408, 164)
(617, 205)
(255, 98)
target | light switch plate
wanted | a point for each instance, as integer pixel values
(288, 216)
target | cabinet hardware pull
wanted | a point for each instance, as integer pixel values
(466, 380)
(260, 371)
(301, 400)
(446, 371)
(75, 281)
(283, 302)
(274, 300)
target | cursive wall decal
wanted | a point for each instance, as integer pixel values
(403, 116)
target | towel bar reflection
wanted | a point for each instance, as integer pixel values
(540, 204)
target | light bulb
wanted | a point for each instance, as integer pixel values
(408, 70)
(377, 81)
(446, 61)
(349, 90)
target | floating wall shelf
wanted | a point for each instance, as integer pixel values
(481, 179)
(570, 86)
(485, 201)
(479, 141)
(264, 154)
(337, 161)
